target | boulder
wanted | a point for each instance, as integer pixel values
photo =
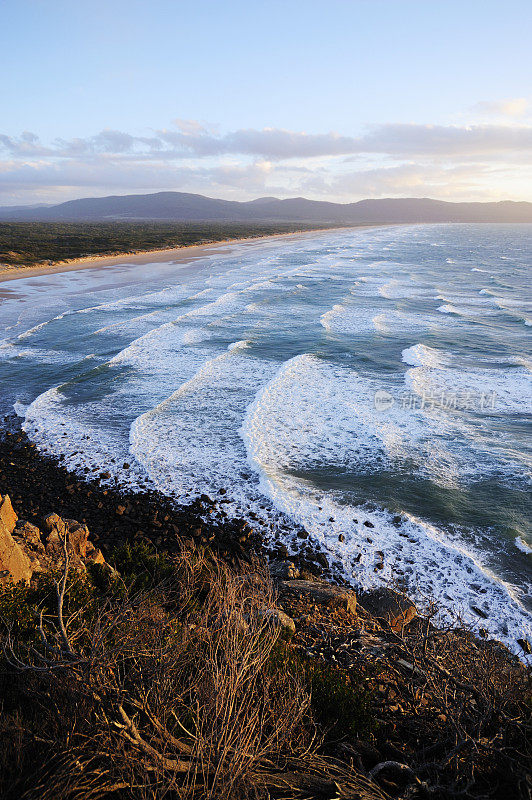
(78, 538)
(283, 570)
(385, 604)
(280, 620)
(28, 534)
(322, 560)
(322, 593)
(524, 644)
(28, 538)
(54, 522)
(80, 548)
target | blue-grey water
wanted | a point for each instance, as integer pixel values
(379, 376)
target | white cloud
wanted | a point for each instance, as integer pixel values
(515, 107)
(275, 144)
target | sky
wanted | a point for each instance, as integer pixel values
(328, 99)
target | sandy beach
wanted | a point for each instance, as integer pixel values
(177, 255)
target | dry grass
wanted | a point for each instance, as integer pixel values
(167, 694)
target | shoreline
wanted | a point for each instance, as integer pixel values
(177, 254)
(200, 514)
(270, 248)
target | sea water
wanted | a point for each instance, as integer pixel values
(370, 386)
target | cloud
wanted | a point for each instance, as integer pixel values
(270, 143)
(390, 139)
(394, 158)
(26, 145)
(448, 140)
(274, 144)
(77, 178)
(193, 126)
(516, 107)
(409, 179)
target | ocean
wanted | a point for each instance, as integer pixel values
(372, 387)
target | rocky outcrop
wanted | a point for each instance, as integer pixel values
(25, 550)
(15, 566)
(394, 608)
(322, 593)
(81, 550)
(8, 518)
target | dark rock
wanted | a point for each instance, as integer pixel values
(283, 570)
(321, 558)
(322, 593)
(396, 609)
(308, 568)
(370, 755)
(524, 644)
(308, 575)
(369, 524)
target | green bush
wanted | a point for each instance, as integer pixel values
(27, 243)
(20, 606)
(140, 566)
(339, 704)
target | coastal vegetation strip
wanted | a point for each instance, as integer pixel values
(27, 244)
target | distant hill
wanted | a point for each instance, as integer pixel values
(184, 207)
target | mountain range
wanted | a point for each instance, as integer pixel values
(185, 207)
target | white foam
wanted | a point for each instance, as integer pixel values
(300, 405)
(190, 444)
(420, 355)
(394, 289)
(447, 308)
(523, 546)
(20, 409)
(238, 345)
(505, 391)
(399, 322)
(41, 325)
(59, 429)
(353, 319)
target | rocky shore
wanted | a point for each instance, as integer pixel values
(413, 710)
